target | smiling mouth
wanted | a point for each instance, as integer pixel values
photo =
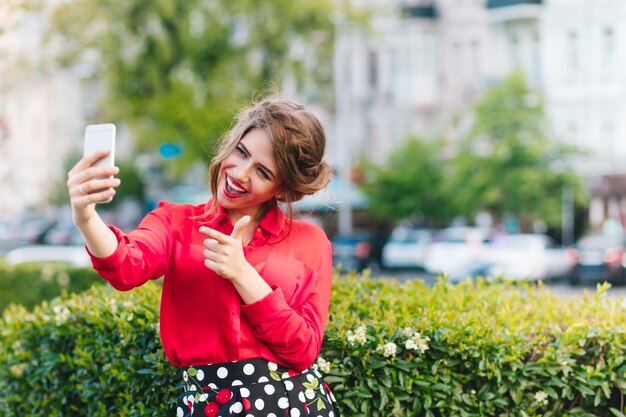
(233, 188)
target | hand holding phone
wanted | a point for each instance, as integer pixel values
(98, 138)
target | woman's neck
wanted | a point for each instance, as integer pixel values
(256, 216)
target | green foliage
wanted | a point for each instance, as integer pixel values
(91, 354)
(409, 184)
(176, 71)
(393, 349)
(30, 284)
(507, 165)
(132, 185)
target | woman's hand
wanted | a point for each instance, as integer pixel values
(223, 253)
(88, 185)
(224, 256)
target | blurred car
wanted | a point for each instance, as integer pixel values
(356, 251)
(63, 233)
(406, 248)
(598, 257)
(72, 255)
(457, 252)
(33, 230)
(526, 257)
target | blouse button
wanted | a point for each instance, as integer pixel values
(258, 229)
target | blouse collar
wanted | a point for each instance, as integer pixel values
(273, 222)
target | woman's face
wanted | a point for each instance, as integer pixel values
(248, 176)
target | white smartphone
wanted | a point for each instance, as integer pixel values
(101, 137)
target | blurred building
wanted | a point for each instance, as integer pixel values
(411, 71)
(421, 62)
(43, 112)
(38, 108)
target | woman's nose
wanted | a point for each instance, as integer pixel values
(242, 173)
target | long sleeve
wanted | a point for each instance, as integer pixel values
(291, 320)
(140, 255)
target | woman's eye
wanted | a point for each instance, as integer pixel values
(263, 173)
(241, 151)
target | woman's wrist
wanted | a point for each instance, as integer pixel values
(251, 286)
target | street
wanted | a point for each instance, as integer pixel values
(560, 288)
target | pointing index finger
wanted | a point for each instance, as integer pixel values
(214, 234)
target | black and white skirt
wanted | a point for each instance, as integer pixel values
(254, 387)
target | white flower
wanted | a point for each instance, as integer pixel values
(322, 365)
(357, 336)
(61, 314)
(408, 332)
(17, 370)
(417, 342)
(63, 279)
(410, 345)
(541, 398)
(388, 349)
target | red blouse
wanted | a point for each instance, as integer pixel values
(202, 318)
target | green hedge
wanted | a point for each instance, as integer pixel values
(391, 349)
(487, 349)
(95, 353)
(30, 284)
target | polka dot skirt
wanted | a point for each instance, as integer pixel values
(254, 387)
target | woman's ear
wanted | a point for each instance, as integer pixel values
(282, 195)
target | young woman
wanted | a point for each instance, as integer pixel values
(246, 288)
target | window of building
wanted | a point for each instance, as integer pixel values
(475, 58)
(573, 51)
(430, 51)
(535, 71)
(514, 46)
(401, 67)
(457, 59)
(572, 133)
(608, 46)
(607, 145)
(345, 68)
(372, 70)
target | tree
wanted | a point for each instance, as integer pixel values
(176, 71)
(409, 184)
(507, 165)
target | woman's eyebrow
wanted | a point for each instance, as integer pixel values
(269, 171)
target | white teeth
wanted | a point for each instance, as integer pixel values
(233, 186)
